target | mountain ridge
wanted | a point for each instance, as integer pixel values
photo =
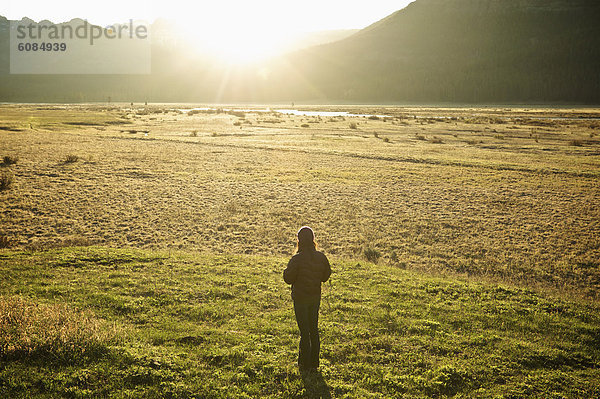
(432, 51)
(427, 49)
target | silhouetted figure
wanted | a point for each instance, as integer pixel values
(305, 272)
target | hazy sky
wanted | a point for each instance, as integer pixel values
(238, 27)
(306, 15)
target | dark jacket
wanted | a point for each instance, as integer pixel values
(306, 271)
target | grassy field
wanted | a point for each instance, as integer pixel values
(144, 245)
(188, 325)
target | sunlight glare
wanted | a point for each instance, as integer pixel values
(244, 36)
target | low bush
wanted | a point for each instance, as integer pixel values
(5, 242)
(8, 160)
(372, 254)
(239, 114)
(6, 180)
(71, 158)
(576, 143)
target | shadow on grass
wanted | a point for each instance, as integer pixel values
(315, 385)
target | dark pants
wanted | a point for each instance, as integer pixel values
(307, 316)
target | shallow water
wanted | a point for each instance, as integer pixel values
(325, 113)
(288, 112)
(333, 114)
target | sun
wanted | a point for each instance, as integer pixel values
(246, 36)
(240, 46)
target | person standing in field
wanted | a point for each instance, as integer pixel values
(305, 271)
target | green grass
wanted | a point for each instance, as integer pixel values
(201, 325)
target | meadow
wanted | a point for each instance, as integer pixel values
(143, 248)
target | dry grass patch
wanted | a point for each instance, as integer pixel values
(512, 209)
(53, 332)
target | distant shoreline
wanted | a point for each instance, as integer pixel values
(564, 106)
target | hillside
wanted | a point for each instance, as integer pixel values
(455, 51)
(465, 51)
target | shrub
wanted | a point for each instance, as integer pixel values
(372, 254)
(231, 207)
(304, 125)
(420, 137)
(71, 158)
(576, 143)
(353, 126)
(194, 133)
(5, 242)
(436, 140)
(53, 332)
(386, 140)
(237, 123)
(239, 114)
(8, 160)
(374, 117)
(6, 180)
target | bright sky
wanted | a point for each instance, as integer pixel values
(237, 27)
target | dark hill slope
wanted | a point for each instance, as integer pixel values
(465, 50)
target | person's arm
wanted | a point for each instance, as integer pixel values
(291, 272)
(326, 270)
